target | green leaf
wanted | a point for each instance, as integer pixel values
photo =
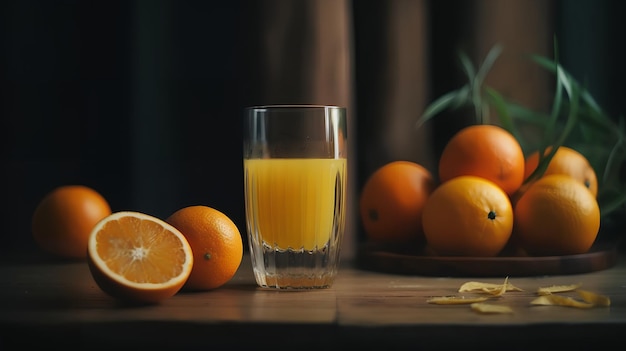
(572, 118)
(596, 121)
(451, 100)
(468, 66)
(502, 110)
(490, 59)
(544, 62)
(524, 114)
(482, 110)
(591, 102)
(614, 160)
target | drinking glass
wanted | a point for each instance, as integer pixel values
(295, 174)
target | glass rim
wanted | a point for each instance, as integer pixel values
(287, 106)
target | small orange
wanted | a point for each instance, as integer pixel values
(566, 161)
(63, 219)
(392, 200)
(486, 151)
(556, 215)
(468, 216)
(216, 244)
(138, 258)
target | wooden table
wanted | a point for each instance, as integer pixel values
(53, 304)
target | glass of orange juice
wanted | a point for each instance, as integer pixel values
(295, 174)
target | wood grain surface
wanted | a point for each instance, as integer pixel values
(45, 303)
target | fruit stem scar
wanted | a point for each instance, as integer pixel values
(491, 215)
(207, 256)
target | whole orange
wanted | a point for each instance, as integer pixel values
(566, 161)
(486, 151)
(556, 215)
(468, 216)
(392, 200)
(216, 244)
(63, 219)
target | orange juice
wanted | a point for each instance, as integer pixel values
(295, 204)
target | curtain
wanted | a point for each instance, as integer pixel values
(143, 99)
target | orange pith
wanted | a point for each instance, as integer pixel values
(137, 257)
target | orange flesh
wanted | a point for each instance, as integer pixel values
(141, 251)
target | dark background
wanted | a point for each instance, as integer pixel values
(142, 100)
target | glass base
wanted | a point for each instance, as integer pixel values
(295, 269)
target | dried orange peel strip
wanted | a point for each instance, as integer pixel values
(547, 297)
(487, 308)
(591, 299)
(455, 300)
(547, 290)
(558, 300)
(489, 288)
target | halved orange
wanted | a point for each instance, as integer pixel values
(136, 257)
